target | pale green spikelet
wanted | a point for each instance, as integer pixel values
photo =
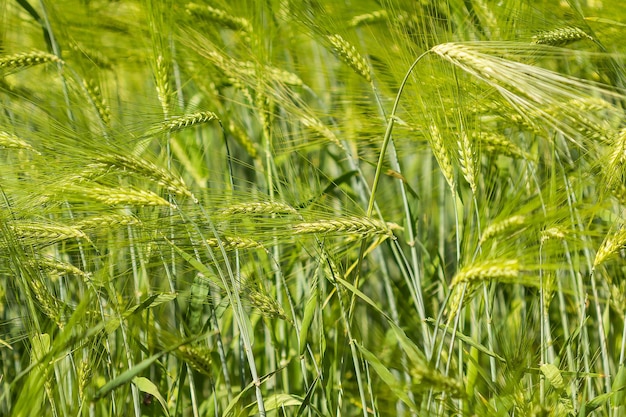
(174, 124)
(270, 207)
(94, 56)
(27, 59)
(106, 222)
(612, 243)
(162, 79)
(349, 55)
(498, 228)
(95, 96)
(43, 233)
(368, 18)
(317, 126)
(125, 196)
(266, 305)
(561, 36)
(232, 243)
(442, 156)
(145, 168)
(352, 225)
(220, 16)
(242, 138)
(494, 143)
(468, 160)
(198, 357)
(10, 141)
(501, 270)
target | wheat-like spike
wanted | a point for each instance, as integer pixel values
(561, 36)
(8, 140)
(498, 144)
(468, 160)
(84, 373)
(99, 102)
(614, 168)
(232, 243)
(612, 243)
(49, 304)
(556, 233)
(198, 357)
(219, 16)
(368, 18)
(244, 69)
(242, 138)
(272, 207)
(460, 295)
(267, 306)
(499, 270)
(125, 196)
(136, 164)
(353, 225)
(60, 268)
(106, 222)
(162, 77)
(317, 126)
(428, 378)
(618, 297)
(188, 120)
(501, 227)
(349, 54)
(45, 233)
(27, 59)
(442, 156)
(93, 55)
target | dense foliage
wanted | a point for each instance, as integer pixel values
(311, 207)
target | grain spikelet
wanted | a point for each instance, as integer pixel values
(42, 233)
(502, 226)
(106, 222)
(614, 168)
(147, 169)
(556, 233)
(368, 18)
(498, 144)
(96, 57)
(50, 305)
(242, 138)
(612, 243)
(220, 16)
(267, 306)
(162, 79)
(317, 126)
(8, 140)
(442, 156)
(232, 243)
(99, 103)
(27, 59)
(353, 225)
(125, 196)
(498, 270)
(427, 378)
(182, 122)
(237, 70)
(561, 36)
(198, 357)
(468, 160)
(349, 55)
(60, 268)
(273, 207)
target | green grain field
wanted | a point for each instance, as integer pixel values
(312, 208)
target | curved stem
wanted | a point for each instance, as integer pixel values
(387, 137)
